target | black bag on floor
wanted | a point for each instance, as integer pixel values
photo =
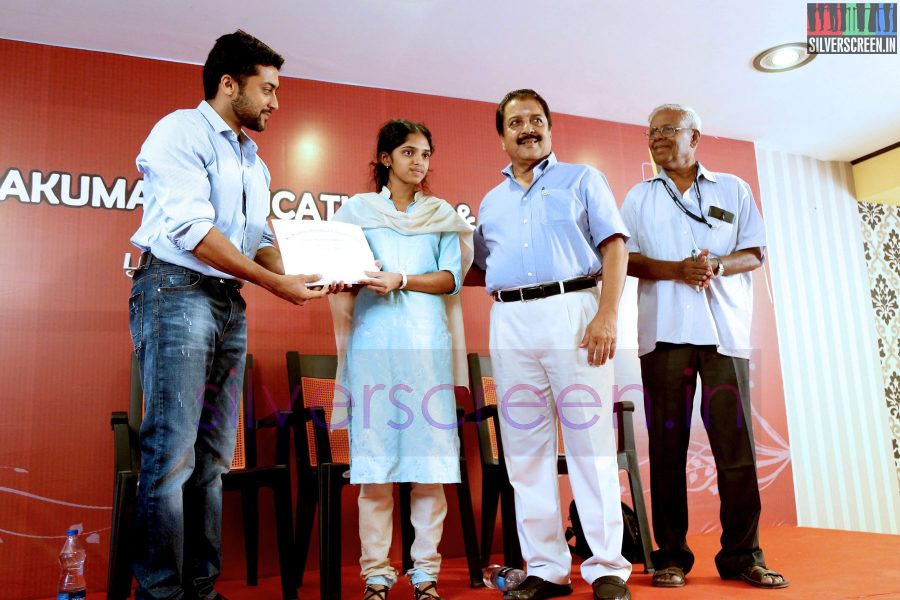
(631, 537)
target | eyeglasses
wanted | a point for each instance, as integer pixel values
(667, 131)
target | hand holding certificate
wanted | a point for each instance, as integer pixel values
(337, 251)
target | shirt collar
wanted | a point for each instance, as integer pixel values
(705, 173)
(701, 172)
(220, 126)
(541, 168)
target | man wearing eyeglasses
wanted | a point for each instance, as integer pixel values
(696, 236)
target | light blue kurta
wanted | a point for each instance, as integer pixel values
(398, 368)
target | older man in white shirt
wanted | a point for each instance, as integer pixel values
(696, 236)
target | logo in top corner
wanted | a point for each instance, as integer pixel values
(851, 28)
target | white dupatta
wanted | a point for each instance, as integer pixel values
(428, 215)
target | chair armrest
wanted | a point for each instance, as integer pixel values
(280, 419)
(482, 413)
(624, 405)
(283, 421)
(122, 442)
(320, 434)
(624, 411)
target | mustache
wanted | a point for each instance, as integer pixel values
(528, 136)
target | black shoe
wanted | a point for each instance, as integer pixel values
(535, 588)
(610, 587)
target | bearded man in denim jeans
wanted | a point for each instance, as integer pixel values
(203, 234)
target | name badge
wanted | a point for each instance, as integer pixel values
(720, 213)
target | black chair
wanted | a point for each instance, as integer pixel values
(323, 463)
(495, 479)
(311, 384)
(244, 476)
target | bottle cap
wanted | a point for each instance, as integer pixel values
(71, 532)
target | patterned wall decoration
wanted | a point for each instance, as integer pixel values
(881, 243)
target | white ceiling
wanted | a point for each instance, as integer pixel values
(595, 58)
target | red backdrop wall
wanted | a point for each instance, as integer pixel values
(64, 339)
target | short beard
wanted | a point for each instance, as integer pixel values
(245, 115)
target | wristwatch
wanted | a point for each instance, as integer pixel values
(720, 270)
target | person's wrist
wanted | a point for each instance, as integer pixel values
(268, 280)
(404, 279)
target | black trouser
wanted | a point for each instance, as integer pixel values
(669, 375)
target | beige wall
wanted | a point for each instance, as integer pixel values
(877, 179)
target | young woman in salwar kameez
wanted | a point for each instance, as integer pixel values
(398, 344)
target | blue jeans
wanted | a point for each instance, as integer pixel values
(190, 335)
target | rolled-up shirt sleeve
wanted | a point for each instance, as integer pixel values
(481, 249)
(268, 238)
(174, 163)
(630, 218)
(751, 230)
(450, 258)
(604, 219)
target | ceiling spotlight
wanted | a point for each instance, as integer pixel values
(783, 58)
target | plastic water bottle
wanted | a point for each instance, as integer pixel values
(71, 569)
(505, 579)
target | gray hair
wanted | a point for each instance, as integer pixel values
(691, 116)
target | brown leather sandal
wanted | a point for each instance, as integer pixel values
(670, 577)
(376, 592)
(756, 575)
(428, 591)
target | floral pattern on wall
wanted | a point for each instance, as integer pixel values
(881, 235)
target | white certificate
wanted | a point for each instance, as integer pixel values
(336, 251)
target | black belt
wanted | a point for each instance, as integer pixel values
(545, 290)
(147, 259)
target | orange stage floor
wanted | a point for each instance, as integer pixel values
(822, 564)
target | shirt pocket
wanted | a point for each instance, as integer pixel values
(557, 206)
(721, 237)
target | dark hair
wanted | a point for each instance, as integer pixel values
(390, 137)
(519, 95)
(237, 54)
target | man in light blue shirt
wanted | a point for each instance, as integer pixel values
(203, 233)
(697, 235)
(544, 236)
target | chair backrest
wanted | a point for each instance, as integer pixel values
(311, 378)
(136, 414)
(484, 392)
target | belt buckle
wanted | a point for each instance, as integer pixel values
(130, 270)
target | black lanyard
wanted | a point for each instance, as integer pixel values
(675, 198)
